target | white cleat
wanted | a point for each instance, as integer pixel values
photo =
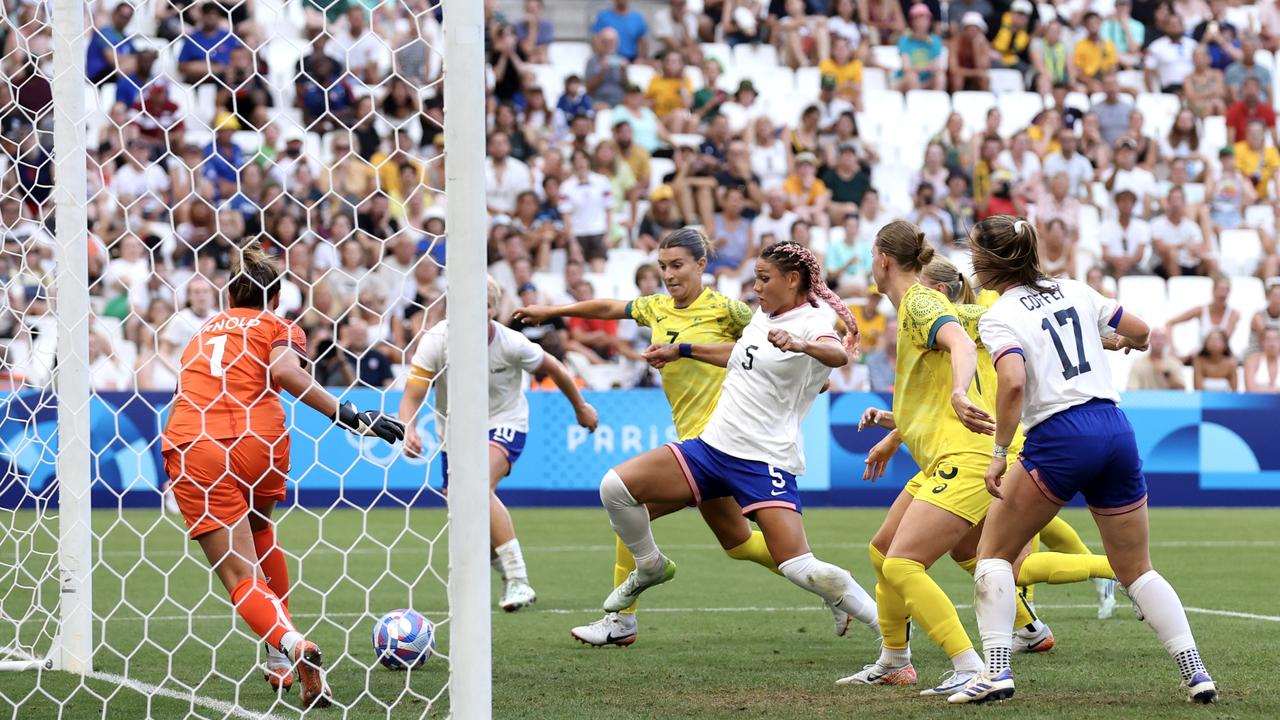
(1033, 641)
(952, 683)
(985, 689)
(1200, 689)
(517, 594)
(877, 674)
(625, 595)
(278, 670)
(1106, 597)
(619, 629)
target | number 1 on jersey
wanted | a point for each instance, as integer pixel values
(1063, 317)
(219, 344)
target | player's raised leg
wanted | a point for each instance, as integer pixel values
(783, 530)
(1060, 537)
(655, 476)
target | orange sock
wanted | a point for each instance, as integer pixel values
(262, 610)
(271, 560)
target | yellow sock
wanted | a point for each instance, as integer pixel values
(1058, 568)
(895, 626)
(1023, 616)
(1062, 538)
(756, 550)
(623, 564)
(1027, 591)
(931, 609)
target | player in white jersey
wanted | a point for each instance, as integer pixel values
(1046, 339)
(750, 449)
(511, 355)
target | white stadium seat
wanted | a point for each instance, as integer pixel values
(1159, 110)
(927, 110)
(573, 55)
(1240, 251)
(973, 107)
(1017, 110)
(1003, 81)
(1145, 295)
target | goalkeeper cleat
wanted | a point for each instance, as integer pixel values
(1033, 641)
(1200, 689)
(517, 594)
(877, 674)
(1106, 588)
(619, 629)
(985, 689)
(278, 671)
(625, 595)
(310, 668)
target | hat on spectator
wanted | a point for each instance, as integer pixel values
(848, 147)
(1226, 151)
(828, 81)
(662, 192)
(631, 88)
(973, 19)
(1022, 7)
(1126, 142)
(226, 121)
(292, 133)
(747, 86)
(527, 287)
(922, 9)
(807, 157)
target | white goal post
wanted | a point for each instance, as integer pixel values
(43, 546)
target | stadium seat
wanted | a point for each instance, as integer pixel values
(1260, 217)
(621, 269)
(1132, 80)
(1185, 293)
(1248, 296)
(719, 51)
(603, 123)
(1005, 81)
(927, 109)
(1159, 110)
(640, 75)
(759, 55)
(887, 57)
(808, 82)
(875, 81)
(1089, 221)
(1215, 132)
(1240, 251)
(973, 107)
(1145, 295)
(1120, 364)
(572, 55)
(693, 74)
(551, 79)
(658, 169)
(1017, 110)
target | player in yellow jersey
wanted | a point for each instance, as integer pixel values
(691, 314)
(942, 411)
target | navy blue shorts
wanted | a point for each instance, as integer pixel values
(714, 474)
(509, 440)
(1088, 449)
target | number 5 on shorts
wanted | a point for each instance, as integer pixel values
(778, 481)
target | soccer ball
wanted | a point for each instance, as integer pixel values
(403, 639)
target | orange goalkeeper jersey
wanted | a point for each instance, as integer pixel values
(224, 388)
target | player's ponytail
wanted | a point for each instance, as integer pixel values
(789, 256)
(905, 243)
(691, 239)
(1006, 252)
(941, 271)
(255, 280)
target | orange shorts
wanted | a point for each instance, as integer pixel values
(216, 481)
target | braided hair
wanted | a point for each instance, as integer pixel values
(789, 256)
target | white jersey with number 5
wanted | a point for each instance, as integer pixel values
(1058, 331)
(767, 392)
(511, 354)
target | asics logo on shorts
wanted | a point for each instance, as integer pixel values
(939, 488)
(948, 476)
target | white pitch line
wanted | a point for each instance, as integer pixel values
(697, 546)
(748, 609)
(226, 708)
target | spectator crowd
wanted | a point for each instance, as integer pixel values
(1138, 137)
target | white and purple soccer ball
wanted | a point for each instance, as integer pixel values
(403, 639)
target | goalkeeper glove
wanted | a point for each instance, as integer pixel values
(373, 423)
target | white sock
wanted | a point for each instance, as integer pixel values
(1162, 609)
(512, 560)
(630, 521)
(967, 661)
(994, 602)
(831, 583)
(496, 564)
(894, 657)
(288, 641)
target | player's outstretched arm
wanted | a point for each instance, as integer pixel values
(964, 365)
(659, 354)
(288, 372)
(1135, 331)
(590, 309)
(586, 414)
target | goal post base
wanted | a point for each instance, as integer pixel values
(24, 665)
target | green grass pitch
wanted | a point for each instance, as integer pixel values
(726, 639)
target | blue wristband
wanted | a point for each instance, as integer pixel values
(686, 350)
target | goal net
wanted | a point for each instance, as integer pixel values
(141, 144)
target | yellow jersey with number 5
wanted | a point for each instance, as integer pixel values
(922, 388)
(692, 387)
